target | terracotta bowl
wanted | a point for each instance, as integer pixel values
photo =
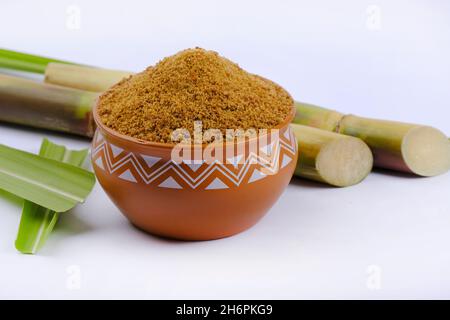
(194, 200)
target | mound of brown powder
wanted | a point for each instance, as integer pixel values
(191, 85)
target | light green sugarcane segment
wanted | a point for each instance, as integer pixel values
(15, 60)
(83, 77)
(406, 147)
(331, 158)
(317, 117)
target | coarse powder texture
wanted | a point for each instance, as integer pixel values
(192, 85)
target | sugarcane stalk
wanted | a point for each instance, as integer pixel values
(395, 145)
(412, 148)
(331, 158)
(317, 117)
(47, 106)
(83, 77)
(61, 72)
(25, 62)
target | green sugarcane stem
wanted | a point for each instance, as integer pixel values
(46, 106)
(405, 147)
(20, 61)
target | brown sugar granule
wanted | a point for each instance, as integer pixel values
(194, 84)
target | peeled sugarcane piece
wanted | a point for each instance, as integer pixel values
(405, 147)
(83, 77)
(330, 157)
(40, 105)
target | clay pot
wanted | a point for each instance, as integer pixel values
(194, 200)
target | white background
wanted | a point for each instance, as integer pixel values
(389, 61)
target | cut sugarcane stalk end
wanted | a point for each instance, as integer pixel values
(331, 158)
(426, 151)
(344, 162)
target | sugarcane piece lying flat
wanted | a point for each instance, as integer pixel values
(406, 147)
(41, 105)
(331, 158)
(83, 77)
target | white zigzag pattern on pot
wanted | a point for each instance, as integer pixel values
(270, 164)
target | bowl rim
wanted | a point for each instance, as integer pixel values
(129, 139)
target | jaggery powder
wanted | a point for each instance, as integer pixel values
(194, 84)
